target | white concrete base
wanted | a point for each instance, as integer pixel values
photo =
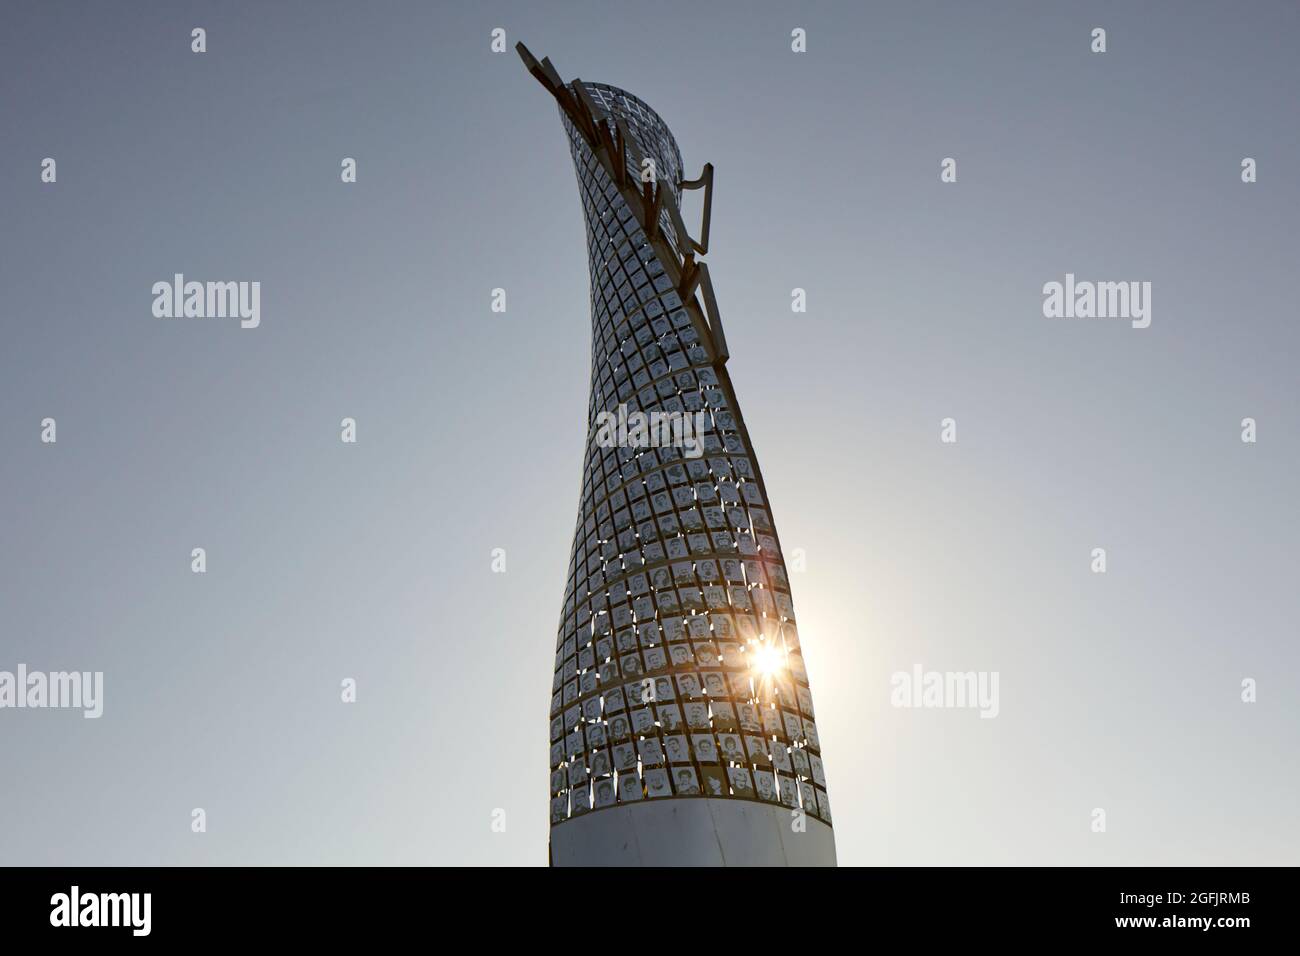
(691, 831)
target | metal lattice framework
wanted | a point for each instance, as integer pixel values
(678, 669)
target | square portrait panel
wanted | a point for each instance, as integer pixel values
(661, 579)
(579, 800)
(651, 751)
(765, 785)
(799, 757)
(724, 717)
(685, 781)
(573, 743)
(706, 748)
(823, 805)
(577, 773)
(741, 783)
(624, 757)
(795, 663)
(808, 796)
(677, 749)
(714, 782)
(780, 757)
(674, 629)
(664, 690)
(638, 692)
(722, 626)
(810, 733)
(689, 684)
(619, 727)
(629, 787)
(670, 718)
(731, 748)
(643, 721)
(697, 715)
(656, 783)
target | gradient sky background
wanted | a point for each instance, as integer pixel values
(372, 560)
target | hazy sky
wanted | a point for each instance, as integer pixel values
(372, 560)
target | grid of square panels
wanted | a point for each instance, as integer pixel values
(678, 670)
(652, 137)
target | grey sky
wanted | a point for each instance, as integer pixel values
(372, 561)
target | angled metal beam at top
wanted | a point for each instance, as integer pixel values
(616, 146)
(546, 75)
(705, 180)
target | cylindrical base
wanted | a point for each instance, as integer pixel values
(695, 831)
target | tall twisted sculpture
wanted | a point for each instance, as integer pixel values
(682, 728)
